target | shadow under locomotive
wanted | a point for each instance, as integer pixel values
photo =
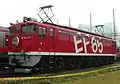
(26, 63)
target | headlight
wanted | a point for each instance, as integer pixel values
(15, 41)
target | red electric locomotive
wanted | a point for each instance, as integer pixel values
(3, 47)
(44, 46)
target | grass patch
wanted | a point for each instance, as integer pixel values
(108, 78)
(104, 76)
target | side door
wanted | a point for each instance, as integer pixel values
(42, 39)
(51, 38)
(46, 39)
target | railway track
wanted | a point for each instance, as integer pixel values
(10, 73)
(83, 70)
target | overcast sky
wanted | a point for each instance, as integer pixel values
(78, 10)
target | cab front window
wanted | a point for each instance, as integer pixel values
(28, 29)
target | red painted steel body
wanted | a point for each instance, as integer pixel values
(64, 40)
(44, 46)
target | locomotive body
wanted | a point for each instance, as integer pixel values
(3, 47)
(44, 46)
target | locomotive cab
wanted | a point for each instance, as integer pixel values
(21, 40)
(27, 40)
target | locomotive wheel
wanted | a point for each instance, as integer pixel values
(106, 60)
(79, 63)
(89, 62)
(71, 63)
(44, 66)
(111, 60)
(60, 65)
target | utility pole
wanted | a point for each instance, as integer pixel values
(114, 24)
(69, 22)
(90, 22)
(57, 21)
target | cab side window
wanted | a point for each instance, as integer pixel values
(51, 33)
(42, 31)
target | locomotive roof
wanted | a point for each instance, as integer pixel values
(71, 28)
(64, 27)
